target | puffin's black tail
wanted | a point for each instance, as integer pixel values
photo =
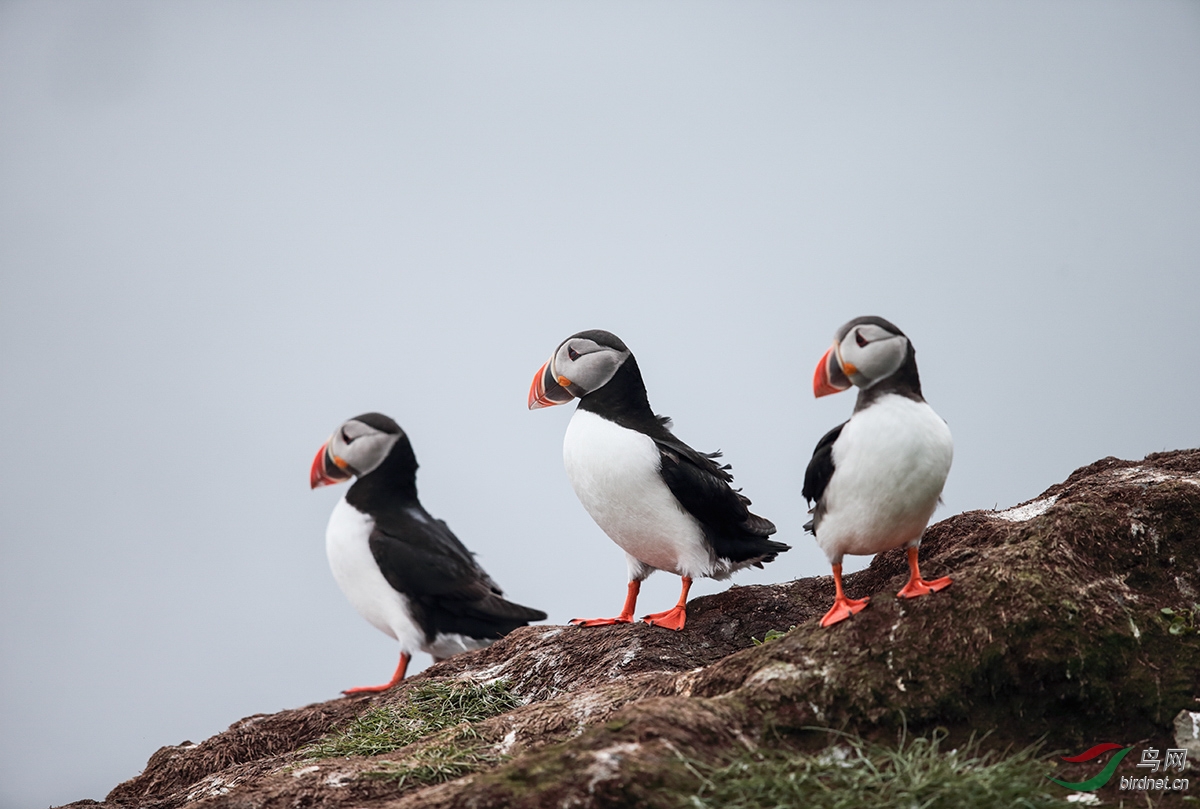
(750, 544)
(503, 609)
(490, 617)
(755, 549)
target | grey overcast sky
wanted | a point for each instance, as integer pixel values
(225, 227)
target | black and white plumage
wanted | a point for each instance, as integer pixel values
(666, 505)
(402, 569)
(876, 478)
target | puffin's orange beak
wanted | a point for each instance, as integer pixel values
(326, 470)
(545, 390)
(829, 377)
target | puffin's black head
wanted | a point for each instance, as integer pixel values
(582, 364)
(356, 448)
(864, 351)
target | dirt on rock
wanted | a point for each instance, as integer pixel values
(1053, 630)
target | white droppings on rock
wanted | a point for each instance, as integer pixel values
(586, 705)
(606, 763)
(1028, 511)
(685, 682)
(900, 684)
(820, 671)
(305, 771)
(1140, 474)
(625, 659)
(551, 633)
(777, 670)
(1187, 731)
(491, 674)
(338, 780)
(507, 742)
(1084, 799)
(837, 756)
(210, 787)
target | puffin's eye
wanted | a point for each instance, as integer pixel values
(346, 437)
(572, 353)
(858, 338)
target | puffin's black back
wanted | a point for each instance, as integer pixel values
(448, 592)
(695, 479)
(421, 558)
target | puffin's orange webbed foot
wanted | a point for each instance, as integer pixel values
(626, 616)
(919, 587)
(843, 608)
(368, 689)
(620, 619)
(673, 618)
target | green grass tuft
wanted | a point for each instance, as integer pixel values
(1182, 621)
(853, 773)
(427, 708)
(438, 763)
(772, 634)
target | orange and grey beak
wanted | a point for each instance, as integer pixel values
(829, 377)
(328, 469)
(546, 390)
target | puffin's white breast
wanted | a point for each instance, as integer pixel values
(615, 474)
(890, 464)
(356, 572)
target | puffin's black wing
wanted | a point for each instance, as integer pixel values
(818, 473)
(447, 589)
(702, 487)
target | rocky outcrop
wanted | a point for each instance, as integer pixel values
(1054, 629)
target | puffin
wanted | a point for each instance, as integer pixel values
(876, 478)
(666, 505)
(402, 569)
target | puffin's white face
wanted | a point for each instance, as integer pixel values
(869, 353)
(863, 354)
(579, 366)
(356, 448)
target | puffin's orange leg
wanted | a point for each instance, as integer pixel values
(626, 616)
(842, 607)
(916, 585)
(675, 617)
(375, 689)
